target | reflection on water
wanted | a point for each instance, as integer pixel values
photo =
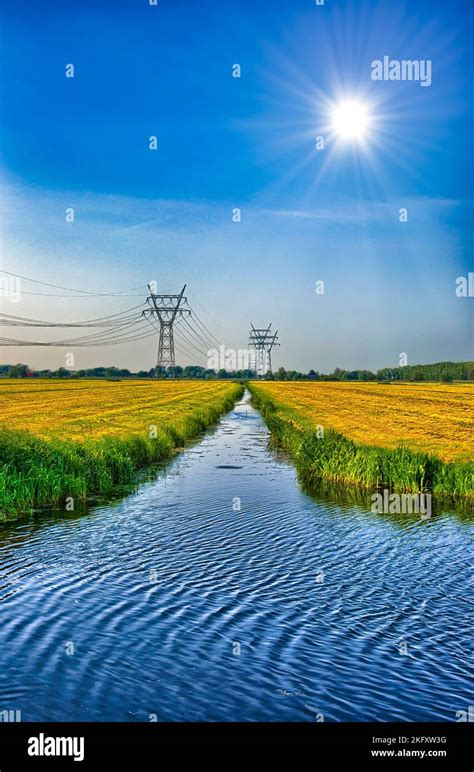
(350, 496)
(222, 591)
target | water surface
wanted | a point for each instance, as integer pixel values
(222, 592)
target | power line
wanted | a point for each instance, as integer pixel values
(101, 321)
(115, 334)
(202, 341)
(164, 312)
(88, 293)
(203, 309)
(205, 329)
(190, 341)
(78, 342)
(188, 351)
(81, 297)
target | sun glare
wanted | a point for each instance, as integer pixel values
(350, 120)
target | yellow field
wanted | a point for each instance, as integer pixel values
(438, 418)
(78, 410)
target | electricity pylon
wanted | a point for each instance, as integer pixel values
(263, 341)
(166, 308)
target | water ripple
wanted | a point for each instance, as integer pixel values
(221, 591)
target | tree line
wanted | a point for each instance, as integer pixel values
(446, 372)
(191, 371)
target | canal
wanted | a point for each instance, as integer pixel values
(220, 591)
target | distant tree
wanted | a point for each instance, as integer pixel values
(386, 374)
(96, 372)
(174, 372)
(366, 375)
(18, 371)
(446, 377)
(468, 372)
(112, 372)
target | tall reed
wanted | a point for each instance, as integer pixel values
(37, 472)
(335, 458)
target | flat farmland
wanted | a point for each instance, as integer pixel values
(434, 418)
(406, 437)
(81, 410)
(62, 441)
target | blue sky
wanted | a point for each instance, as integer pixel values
(248, 142)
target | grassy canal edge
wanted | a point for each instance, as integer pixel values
(41, 473)
(335, 458)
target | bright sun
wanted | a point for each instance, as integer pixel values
(350, 120)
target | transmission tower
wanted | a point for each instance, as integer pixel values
(166, 308)
(262, 341)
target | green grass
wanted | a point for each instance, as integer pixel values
(337, 459)
(37, 472)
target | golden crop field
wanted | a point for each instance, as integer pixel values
(79, 410)
(433, 417)
(67, 439)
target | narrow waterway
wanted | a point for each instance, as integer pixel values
(220, 591)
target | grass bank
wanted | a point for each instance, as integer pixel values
(38, 471)
(335, 458)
